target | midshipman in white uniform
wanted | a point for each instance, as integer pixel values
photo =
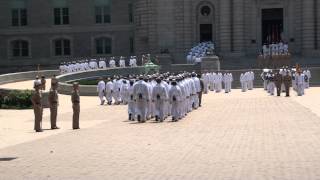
(101, 91)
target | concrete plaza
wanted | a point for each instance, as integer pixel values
(233, 136)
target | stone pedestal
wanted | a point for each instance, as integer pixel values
(165, 62)
(210, 63)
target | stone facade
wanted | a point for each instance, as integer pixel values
(157, 26)
(237, 26)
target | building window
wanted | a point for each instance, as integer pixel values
(103, 11)
(19, 17)
(62, 47)
(20, 48)
(130, 9)
(61, 16)
(103, 45)
(18, 13)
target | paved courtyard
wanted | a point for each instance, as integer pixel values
(233, 136)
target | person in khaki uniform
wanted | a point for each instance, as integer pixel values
(43, 83)
(202, 89)
(37, 106)
(54, 82)
(75, 99)
(53, 100)
(278, 82)
(287, 81)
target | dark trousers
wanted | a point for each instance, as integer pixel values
(38, 118)
(53, 114)
(278, 90)
(287, 91)
(200, 98)
(76, 113)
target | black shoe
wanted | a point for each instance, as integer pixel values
(55, 128)
(130, 118)
(39, 130)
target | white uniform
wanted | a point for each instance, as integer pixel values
(116, 91)
(308, 74)
(102, 64)
(109, 90)
(141, 96)
(122, 62)
(159, 97)
(300, 84)
(101, 91)
(175, 97)
(250, 80)
(124, 92)
(243, 81)
(112, 63)
(131, 103)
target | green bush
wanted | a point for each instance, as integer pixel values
(16, 100)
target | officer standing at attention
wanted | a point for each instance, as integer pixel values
(37, 106)
(278, 82)
(287, 81)
(75, 99)
(202, 89)
(53, 104)
(43, 83)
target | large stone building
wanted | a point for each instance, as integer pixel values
(48, 31)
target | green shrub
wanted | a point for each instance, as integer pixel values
(16, 100)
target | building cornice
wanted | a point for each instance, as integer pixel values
(65, 29)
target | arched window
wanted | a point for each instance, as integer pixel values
(20, 48)
(62, 47)
(103, 45)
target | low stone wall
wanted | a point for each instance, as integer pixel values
(25, 76)
(65, 88)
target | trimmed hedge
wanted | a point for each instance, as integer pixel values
(16, 100)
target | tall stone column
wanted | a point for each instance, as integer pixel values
(225, 26)
(145, 37)
(238, 26)
(307, 26)
(318, 22)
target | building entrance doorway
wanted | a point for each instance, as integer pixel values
(205, 32)
(272, 25)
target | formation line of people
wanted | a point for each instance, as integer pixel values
(53, 101)
(93, 64)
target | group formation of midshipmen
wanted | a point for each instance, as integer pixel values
(154, 96)
(275, 49)
(102, 63)
(283, 79)
(53, 101)
(199, 51)
(213, 82)
(246, 80)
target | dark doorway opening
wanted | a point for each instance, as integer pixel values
(272, 25)
(205, 32)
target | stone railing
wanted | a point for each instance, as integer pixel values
(65, 87)
(25, 76)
